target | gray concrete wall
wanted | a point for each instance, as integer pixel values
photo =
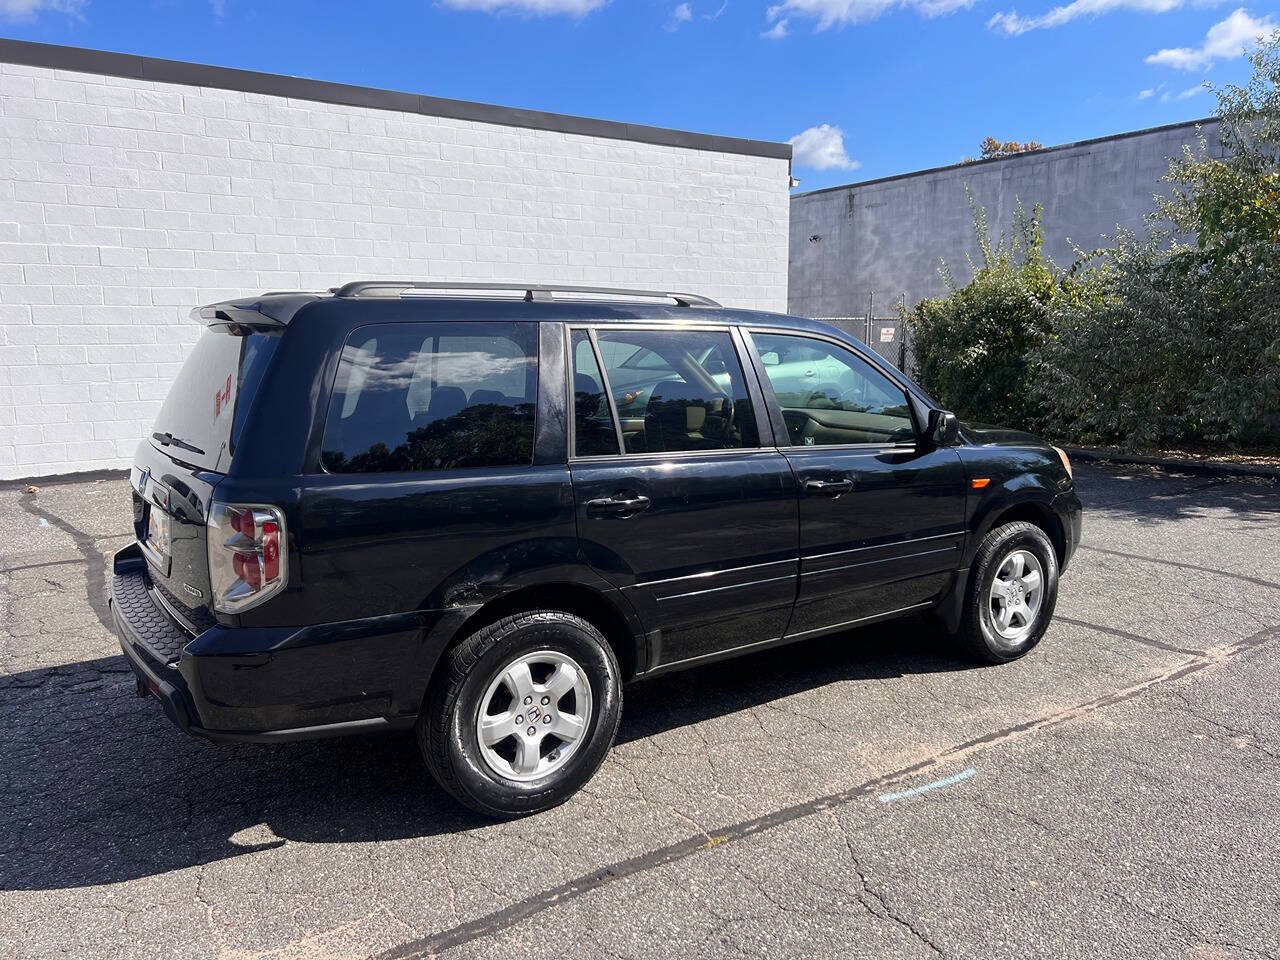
(890, 236)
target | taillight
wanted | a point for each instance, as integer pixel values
(247, 556)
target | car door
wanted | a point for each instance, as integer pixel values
(681, 502)
(881, 511)
(427, 480)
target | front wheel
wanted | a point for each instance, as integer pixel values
(1011, 593)
(522, 713)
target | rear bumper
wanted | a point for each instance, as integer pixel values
(277, 684)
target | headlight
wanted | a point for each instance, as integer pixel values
(1066, 461)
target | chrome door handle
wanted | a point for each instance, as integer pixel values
(615, 506)
(829, 488)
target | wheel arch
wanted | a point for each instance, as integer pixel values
(1037, 513)
(1032, 508)
(605, 613)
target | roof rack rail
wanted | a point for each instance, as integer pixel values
(532, 291)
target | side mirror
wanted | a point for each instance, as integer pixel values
(944, 428)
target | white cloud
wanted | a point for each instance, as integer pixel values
(1012, 23)
(822, 148)
(1226, 40)
(28, 9)
(680, 15)
(1186, 94)
(1147, 94)
(716, 16)
(531, 8)
(777, 31)
(830, 13)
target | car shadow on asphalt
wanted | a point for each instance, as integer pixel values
(99, 788)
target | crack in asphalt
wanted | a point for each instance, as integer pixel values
(38, 566)
(1271, 584)
(1126, 635)
(866, 890)
(691, 846)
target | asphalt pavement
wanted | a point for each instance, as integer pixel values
(1114, 794)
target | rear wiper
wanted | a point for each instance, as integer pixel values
(168, 438)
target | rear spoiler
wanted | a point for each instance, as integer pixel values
(267, 310)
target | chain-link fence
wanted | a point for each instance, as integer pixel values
(887, 336)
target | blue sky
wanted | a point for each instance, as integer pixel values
(870, 88)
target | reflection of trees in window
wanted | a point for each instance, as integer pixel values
(484, 435)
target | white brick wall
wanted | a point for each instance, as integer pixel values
(124, 203)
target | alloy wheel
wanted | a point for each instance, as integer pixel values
(534, 715)
(1015, 596)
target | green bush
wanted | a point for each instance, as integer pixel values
(974, 347)
(1170, 338)
(1175, 341)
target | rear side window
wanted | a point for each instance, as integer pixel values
(210, 399)
(433, 396)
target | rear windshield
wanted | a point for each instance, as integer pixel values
(210, 399)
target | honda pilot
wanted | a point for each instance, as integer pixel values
(476, 511)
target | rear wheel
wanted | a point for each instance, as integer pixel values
(522, 713)
(1011, 593)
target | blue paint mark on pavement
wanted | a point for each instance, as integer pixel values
(914, 791)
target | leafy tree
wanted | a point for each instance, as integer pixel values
(1163, 338)
(484, 435)
(1175, 336)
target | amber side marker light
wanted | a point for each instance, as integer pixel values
(979, 482)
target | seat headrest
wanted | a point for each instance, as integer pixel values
(487, 396)
(678, 411)
(671, 391)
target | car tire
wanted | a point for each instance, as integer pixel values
(546, 757)
(1003, 618)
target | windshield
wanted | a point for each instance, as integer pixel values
(207, 405)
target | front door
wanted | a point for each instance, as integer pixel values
(881, 512)
(680, 501)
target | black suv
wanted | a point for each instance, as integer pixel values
(412, 505)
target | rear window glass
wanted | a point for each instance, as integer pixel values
(210, 399)
(433, 396)
(674, 390)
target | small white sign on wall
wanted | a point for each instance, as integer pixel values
(886, 334)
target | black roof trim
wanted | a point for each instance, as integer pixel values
(81, 60)
(1017, 156)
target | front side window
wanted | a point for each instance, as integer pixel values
(674, 390)
(433, 396)
(830, 395)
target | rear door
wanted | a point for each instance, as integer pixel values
(881, 512)
(190, 450)
(680, 500)
(427, 479)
